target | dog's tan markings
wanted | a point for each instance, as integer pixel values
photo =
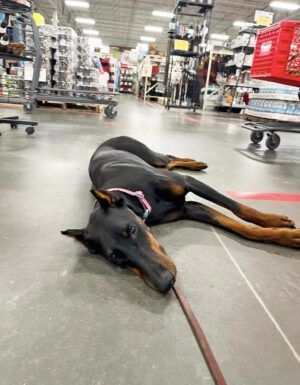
(72, 235)
(187, 164)
(171, 217)
(280, 236)
(176, 189)
(104, 195)
(136, 272)
(164, 259)
(125, 234)
(262, 219)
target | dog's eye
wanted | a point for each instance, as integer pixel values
(132, 230)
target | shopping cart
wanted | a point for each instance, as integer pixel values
(275, 55)
(271, 128)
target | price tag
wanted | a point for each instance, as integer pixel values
(181, 45)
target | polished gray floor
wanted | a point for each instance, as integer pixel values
(67, 318)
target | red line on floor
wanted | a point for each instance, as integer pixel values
(117, 123)
(265, 196)
(190, 119)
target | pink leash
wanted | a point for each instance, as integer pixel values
(139, 194)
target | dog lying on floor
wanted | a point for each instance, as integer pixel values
(135, 188)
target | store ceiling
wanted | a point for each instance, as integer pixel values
(121, 22)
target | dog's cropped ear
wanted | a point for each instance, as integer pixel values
(107, 198)
(78, 234)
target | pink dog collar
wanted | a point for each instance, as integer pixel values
(139, 194)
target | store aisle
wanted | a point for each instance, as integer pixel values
(70, 318)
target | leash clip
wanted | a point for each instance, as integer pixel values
(145, 215)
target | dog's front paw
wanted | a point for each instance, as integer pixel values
(274, 220)
(288, 238)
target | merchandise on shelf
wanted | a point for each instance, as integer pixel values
(48, 35)
(238, 84)
(65, 59)
(152, 67)
(11, 85)
(88, 71)
(276, 102)
(293, 64)
(68, 62)
(126, 79)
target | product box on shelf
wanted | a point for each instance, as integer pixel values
(275, 101)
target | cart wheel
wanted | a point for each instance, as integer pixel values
(273, 141)
(29, 130)
(13, 126)
(256, 136)
(28, 107)
(111, 111)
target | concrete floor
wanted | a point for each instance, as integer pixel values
(70, 319)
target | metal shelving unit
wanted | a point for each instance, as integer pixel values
(189, 9)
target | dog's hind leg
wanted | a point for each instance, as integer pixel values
(286, 237)
(242, 211)
(153, 158)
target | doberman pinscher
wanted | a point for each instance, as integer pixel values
(135, 188)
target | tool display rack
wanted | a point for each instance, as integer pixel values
(197, 8)
(22, 7)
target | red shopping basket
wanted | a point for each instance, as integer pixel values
(272, 52)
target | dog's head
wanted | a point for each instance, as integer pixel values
(119, 235)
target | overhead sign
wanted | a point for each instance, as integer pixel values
(264, 19)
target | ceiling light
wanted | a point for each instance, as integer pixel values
(241, 24)
(219, 36)
(148, 38)
(152, 28)
(84, 20)
(78, 4)
(95, 42)
(284, 5)
(90, 32)
(168, 15)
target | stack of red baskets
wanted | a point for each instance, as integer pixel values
(272, 54)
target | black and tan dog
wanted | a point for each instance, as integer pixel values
(121, 170)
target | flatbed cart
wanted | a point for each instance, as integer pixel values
(258, 130)
(77, 96)
(22, 9)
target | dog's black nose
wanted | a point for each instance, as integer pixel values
(165, 281)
